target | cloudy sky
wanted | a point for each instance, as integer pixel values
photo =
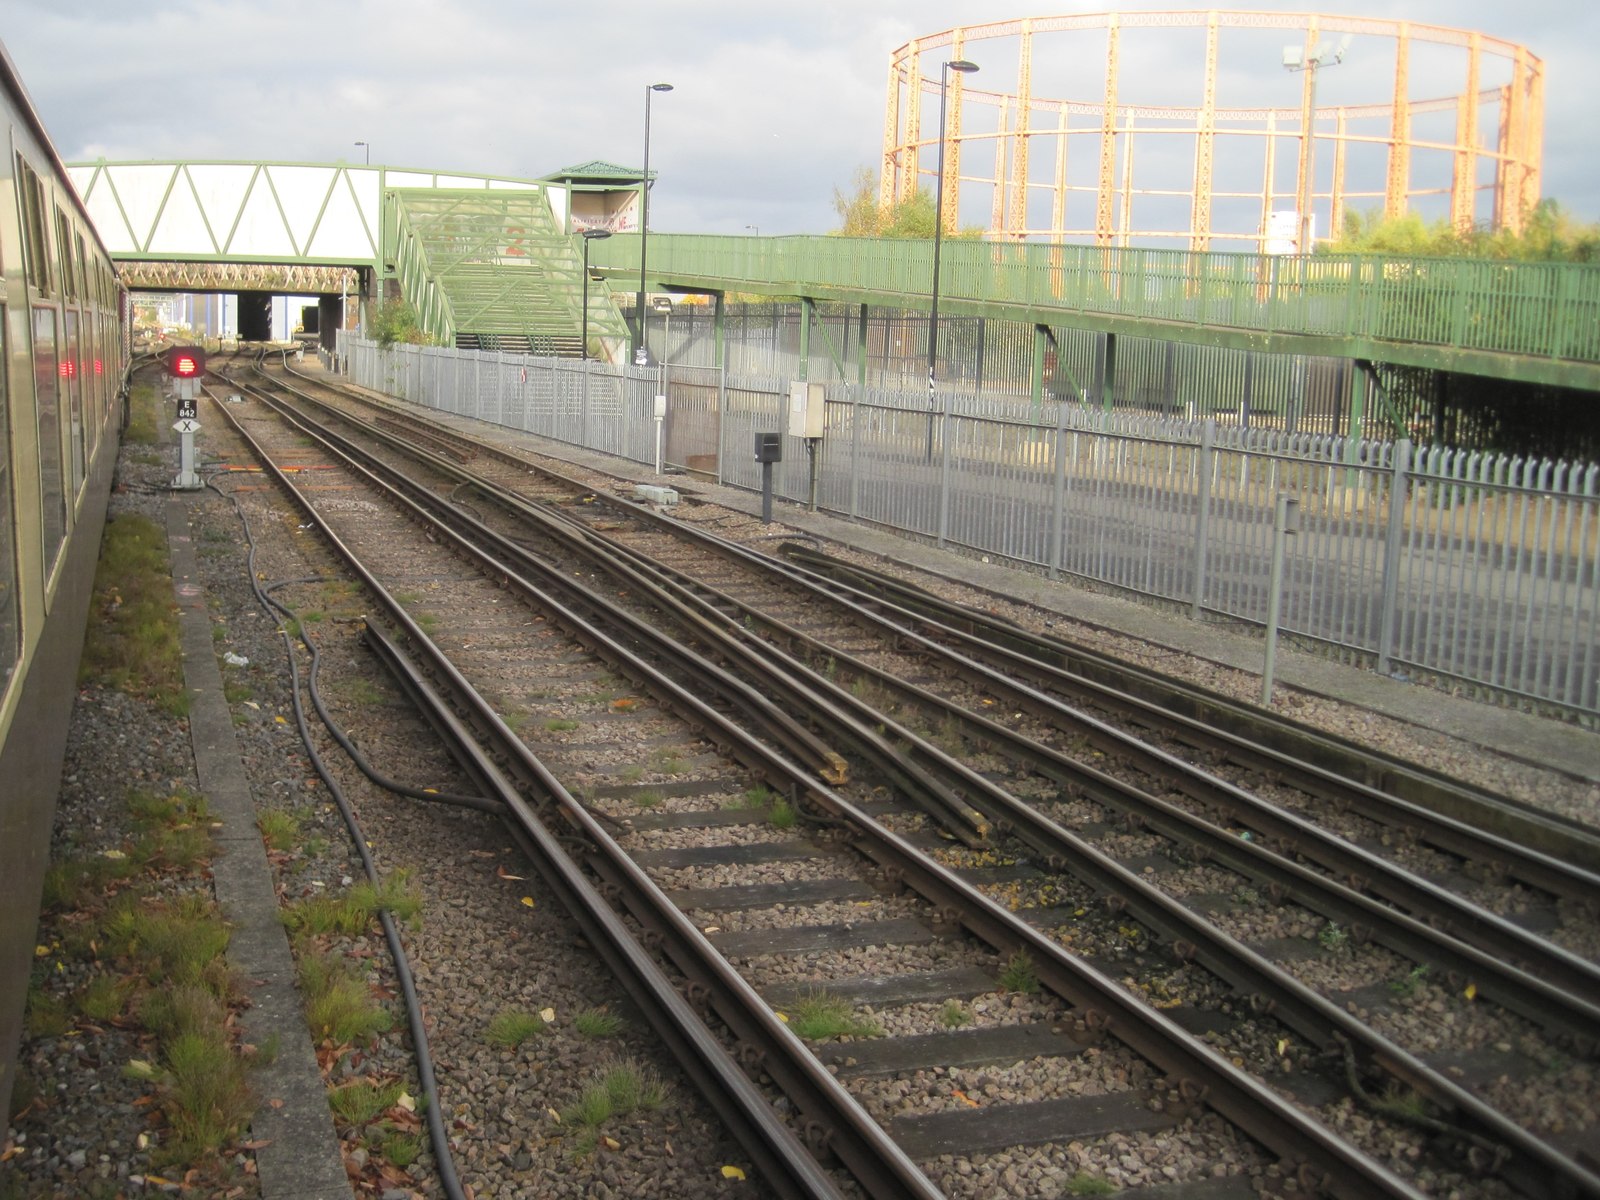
(775, 105)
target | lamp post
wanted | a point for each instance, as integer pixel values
(589, 235)
(640, 354)
(663, 305)
(962, 66)
(755, 229)
(368, 149)
(1308, 59)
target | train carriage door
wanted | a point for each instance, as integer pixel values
(71, 289)
(47, 404)
(72, 380)
(10, 600)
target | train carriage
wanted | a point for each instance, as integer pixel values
(64, 350)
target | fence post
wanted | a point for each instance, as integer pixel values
(1202, 521)
(944, 474)
(1398, 487)
(722, 401)
(1058, 516)
(583, 400)
(855, 449)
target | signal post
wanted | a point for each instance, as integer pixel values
(186, 365)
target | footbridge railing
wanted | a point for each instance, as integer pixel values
(1538, 322)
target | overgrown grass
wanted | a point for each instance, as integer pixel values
(1088, 1185)
(280, 828)
(133, 646)
(339, 1004)
(105, 997)
(822, 1014)
(598, 1022)
(172, 828)
(754, 798)
(143, 411)
(173, 942)
(955, 1014)
(402, 1149)
(182, 994)
(209, 1098)
(512, 1027)
(359, 1102)
(354, 910)
(616, 1090)
(1019, 974)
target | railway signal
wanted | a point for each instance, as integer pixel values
(186, 365)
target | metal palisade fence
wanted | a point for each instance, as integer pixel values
(1468, 568)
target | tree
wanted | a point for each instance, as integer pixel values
(1548, 234)
(396, 321)
(860, 216)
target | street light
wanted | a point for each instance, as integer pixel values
(589, 235)
(663, 305)
(962, 66)
(368, 150)
(755, 229)
(1299, 58)
(640, 354)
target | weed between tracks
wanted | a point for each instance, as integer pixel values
(616, 1091)
(130, 942)
(133, 647)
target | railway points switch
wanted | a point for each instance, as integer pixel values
(651, 494)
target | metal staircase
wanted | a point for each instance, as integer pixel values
(492, 270)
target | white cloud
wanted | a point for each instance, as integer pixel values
(774, 107)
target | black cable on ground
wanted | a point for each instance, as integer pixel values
(434, 1109)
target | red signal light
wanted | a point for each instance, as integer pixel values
(187, 362)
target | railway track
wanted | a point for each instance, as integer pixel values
(945, 830)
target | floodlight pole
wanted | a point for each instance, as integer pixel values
(961, 66)
(1314, 57)
(368, 149)
(640, 354)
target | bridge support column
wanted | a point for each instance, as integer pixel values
(718, 329)
(807, 308)
(861, 351)
(1356, 426)
(1041, 342)
(1108, 373)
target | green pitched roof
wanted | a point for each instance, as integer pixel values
(596, 171)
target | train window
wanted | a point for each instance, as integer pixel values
(81, 271)
(69, 276)
(47, 389)
(10, 601)
(35, 256)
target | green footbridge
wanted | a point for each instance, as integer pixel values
(493, 270)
